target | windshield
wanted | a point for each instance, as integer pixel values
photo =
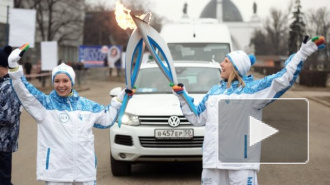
(199, 51)
(196, 80)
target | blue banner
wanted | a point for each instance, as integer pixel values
(95, 56)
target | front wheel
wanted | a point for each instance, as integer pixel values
(120, 168)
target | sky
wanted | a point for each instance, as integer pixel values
(172, 9)
(195, 7)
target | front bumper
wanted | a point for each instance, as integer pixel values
(129, 148)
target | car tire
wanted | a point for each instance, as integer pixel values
(120, 168)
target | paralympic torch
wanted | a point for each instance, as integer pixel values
(154, 42)
(145, 35)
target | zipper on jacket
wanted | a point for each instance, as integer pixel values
(74, 144)
(69, 104)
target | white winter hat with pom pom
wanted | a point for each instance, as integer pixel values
(241, 61)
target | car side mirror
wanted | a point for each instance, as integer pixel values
(115, 91)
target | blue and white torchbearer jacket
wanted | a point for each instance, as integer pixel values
(65, 150)
(272, 86)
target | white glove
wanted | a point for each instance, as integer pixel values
(121, 95)
(311, 46)
(178, 90)
(14, 58)
(16, 55)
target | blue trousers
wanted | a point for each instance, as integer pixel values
(5, 168)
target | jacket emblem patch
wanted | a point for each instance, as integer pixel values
(64, 117)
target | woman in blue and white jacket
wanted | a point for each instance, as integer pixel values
(235, 84)
(65, 151)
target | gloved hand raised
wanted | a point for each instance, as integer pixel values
(121, 95)
(309, 47)
(16, 55)
(178, 89)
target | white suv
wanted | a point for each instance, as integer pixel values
(153, 127)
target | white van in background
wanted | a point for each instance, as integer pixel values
(197, 40)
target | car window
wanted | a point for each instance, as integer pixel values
(195, 79)
(199, 51)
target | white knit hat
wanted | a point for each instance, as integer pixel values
(63, 68)
(241, 61)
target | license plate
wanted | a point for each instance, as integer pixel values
(174, 133)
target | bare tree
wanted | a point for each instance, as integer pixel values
(101, 16)
(260, 42)
(318, 23)
(57, 20)
(272, 38)
(101, 29)
(277, 32)
(18, 3)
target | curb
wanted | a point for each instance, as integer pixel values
(302, 88)
(325, 103)
(82, 89)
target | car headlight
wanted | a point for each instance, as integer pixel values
(130, 119)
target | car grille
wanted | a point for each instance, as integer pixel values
(160, 120)
(152, 142)
(124, 140)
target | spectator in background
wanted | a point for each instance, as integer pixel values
(10, 111)
(113, 57)
(27, 68)
(59, 62)
(79, 67)
(69, 63)
(38, 69)
(105, 61)
(123, 60)
(118, 66)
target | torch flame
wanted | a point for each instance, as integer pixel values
(123, 17)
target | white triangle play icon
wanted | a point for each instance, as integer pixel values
(259, 131)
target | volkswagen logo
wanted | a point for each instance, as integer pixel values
(174, 121)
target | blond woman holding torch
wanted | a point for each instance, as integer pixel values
(235, 84)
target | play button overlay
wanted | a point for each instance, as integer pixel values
(259, 131)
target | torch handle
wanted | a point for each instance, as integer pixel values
(305, 39)
(122, 109)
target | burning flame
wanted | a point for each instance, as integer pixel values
(124, 18)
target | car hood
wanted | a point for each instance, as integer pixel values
(157, 104)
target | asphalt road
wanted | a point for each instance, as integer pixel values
(315, 172)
